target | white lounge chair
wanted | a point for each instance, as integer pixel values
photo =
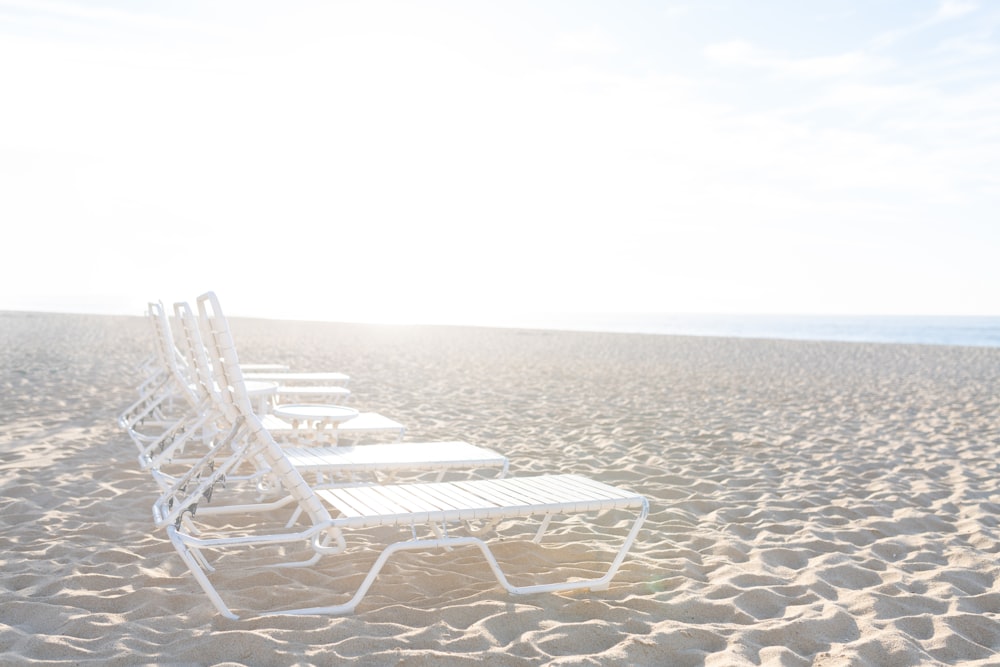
(444, 509)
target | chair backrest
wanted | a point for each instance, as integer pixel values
(155, 366)
(225, 363)
(192, 346)
(168, 354)
(221, 350)
(159, 389)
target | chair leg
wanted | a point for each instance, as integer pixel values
(322, 548)
(349, 606)
(599, 584)
(191, 558)
(542, 528)
(199, 574)
(295, 517)
(202, 560)
(448, 543)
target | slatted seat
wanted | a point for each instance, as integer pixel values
(366, 423)
(295, 393)
(474, 500)
(291, 377)
(296, 386)
(264, 368)
(393, 457)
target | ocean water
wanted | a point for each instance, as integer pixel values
(920, 330)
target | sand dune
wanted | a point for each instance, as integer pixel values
(811, 503)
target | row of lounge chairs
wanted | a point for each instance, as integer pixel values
(216, 453)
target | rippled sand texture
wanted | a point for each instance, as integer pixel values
(812, 503)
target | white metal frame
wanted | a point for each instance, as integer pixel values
(444, 508)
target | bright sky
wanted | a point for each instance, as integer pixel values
(438, 161)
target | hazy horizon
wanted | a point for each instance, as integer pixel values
(525, 318)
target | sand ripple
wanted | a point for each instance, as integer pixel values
(829, 504)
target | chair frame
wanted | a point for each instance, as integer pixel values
(543, 497)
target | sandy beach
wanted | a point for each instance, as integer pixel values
(811, 503)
